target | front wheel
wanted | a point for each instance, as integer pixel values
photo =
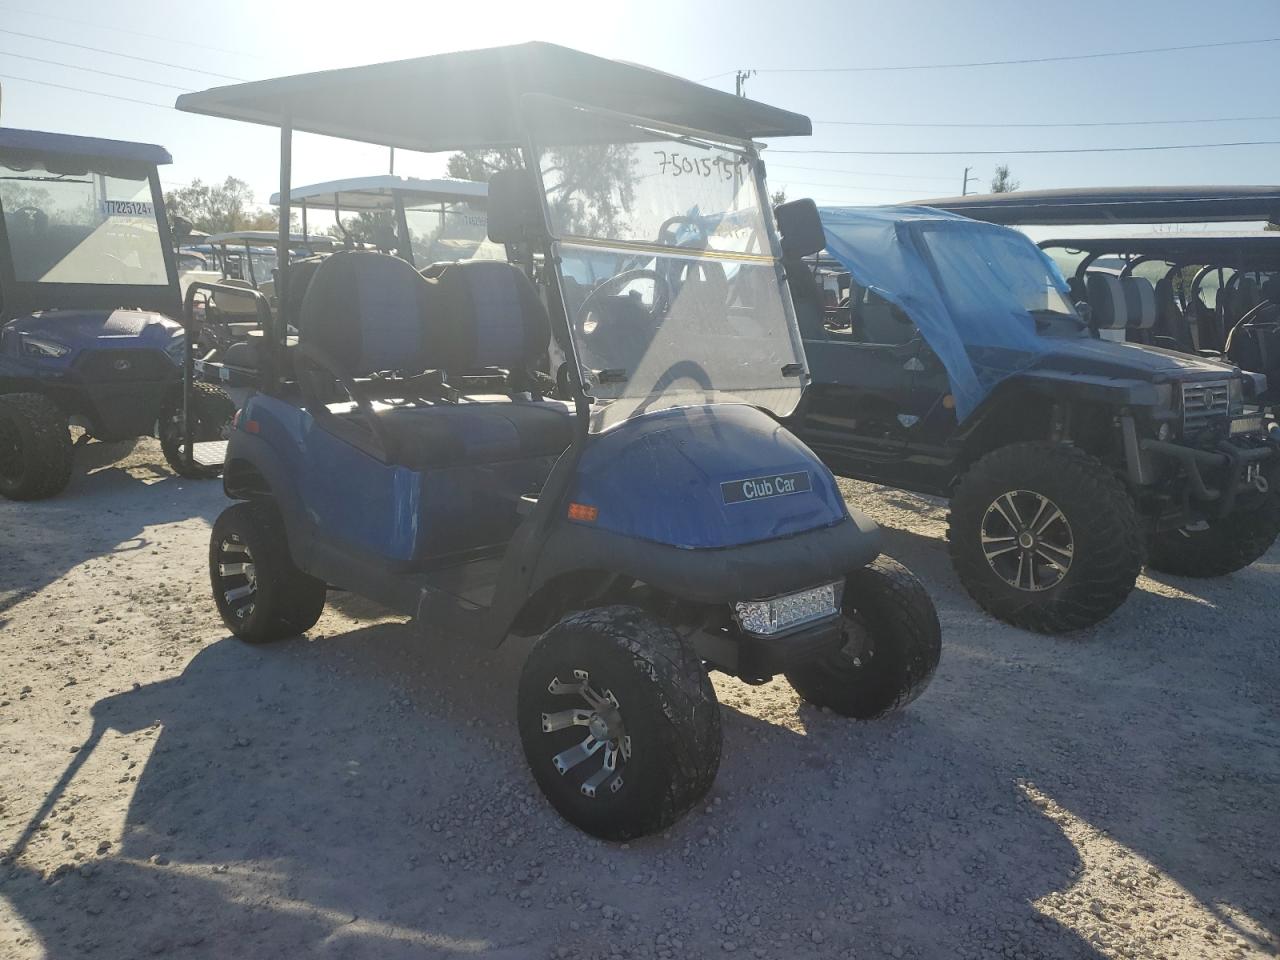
(1046, 537)
(259, 592)
(619, 722)
(892, 642)
(1226, 544)
(36, 455)
(211, 414)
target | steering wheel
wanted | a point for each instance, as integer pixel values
(666, 233)
(661, 294)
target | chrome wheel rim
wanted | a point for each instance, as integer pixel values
(606, 747)
(1027, 540)
(237, 577)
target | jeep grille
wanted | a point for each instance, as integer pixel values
(1204, 405)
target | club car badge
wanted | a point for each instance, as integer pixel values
(761, 488)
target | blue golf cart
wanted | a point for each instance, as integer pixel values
(88, 301)
(578, 442)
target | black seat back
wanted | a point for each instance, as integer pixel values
(1170, 325)
(365, 313)
(490, 314)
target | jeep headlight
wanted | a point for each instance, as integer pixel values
(1235, 395)
(1164, 396)
(43, 349)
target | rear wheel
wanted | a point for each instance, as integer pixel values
(1044, 536)
(259, 592)
(212, 412)
(892, 642)
(1226, 544)
(36, 453)
(619, 722)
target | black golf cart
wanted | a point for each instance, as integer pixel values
(576, 442)
(88, 287)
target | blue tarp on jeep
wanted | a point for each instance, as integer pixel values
(969, 287)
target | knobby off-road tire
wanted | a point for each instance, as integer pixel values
(260, 594)
(36, 453)
(1229, 544)
(619, 722)
(1086, 549)
(212, 410)
(891, 650)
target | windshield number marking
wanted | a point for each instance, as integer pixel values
(681, 165)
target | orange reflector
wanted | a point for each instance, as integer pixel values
(949, 402)
(580, 511)
(251, 426)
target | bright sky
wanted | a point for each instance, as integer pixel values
(169, 44)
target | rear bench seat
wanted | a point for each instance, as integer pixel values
(367, 314)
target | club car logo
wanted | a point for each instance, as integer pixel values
(761, 488)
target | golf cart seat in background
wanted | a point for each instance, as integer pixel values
(1140, 308)
(1171, 329)
(1110, 316)
(369, 315)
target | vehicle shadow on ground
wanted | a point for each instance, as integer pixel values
(107, 509)
(1187, 781)
(364, 795)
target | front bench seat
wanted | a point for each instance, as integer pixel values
(1140, 308)
(368, 313)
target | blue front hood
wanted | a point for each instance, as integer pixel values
(1129, 361)
(96, 329)
(704, 478)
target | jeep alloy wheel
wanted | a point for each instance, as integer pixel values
(1027, 540)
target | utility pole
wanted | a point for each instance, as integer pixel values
(393, 161)
(964, 189)
(742, 77)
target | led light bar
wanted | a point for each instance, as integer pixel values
(768, 618)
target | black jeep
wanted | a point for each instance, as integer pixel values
(955, 364)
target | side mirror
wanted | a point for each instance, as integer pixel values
(800, 228)
(514, 212)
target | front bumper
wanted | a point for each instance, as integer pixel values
(1215, 478)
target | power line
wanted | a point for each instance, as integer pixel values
(971, 153)
(95, 93)
(1095, 123)
(113, 53)
(132, 32)
(104, 73)
(788, 182)
(1024, 60)
(856, 173)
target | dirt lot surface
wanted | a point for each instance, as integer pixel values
(361, 792)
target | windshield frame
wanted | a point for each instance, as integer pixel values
(565, 340)
(19, 297)
(918, 230)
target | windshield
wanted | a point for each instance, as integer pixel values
(444, 231)
(89, 228)
(672, 287)
(982, 269)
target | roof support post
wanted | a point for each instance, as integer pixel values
(276, 339)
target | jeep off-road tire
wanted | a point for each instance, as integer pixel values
(1229, 544)
(213, 411)
(36, 453)
(259, 593)
(619, 722)
(1080, 563)
(892, 642)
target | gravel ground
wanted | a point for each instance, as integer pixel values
(361, 792)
